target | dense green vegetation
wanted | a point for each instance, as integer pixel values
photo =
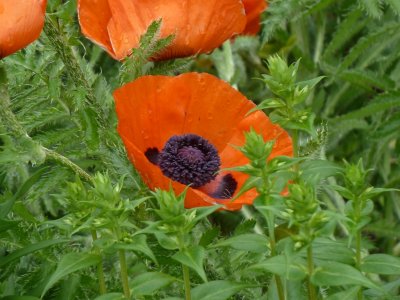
(75, 215)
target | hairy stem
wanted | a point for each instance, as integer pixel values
(186, 279)
(100, 273)
(312, 295)
(62, 160)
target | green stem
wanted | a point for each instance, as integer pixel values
(62, 160)
(295, 141)
(100, 273)
(271, 232)
(186, 280)
(124, 273)
(312, 295)
(357, 212)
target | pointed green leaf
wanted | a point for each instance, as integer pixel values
(217, 290)
(381, 264)
(29, 249)
(139, 244)
(193, 258)
(70, 263)
(248, 242)
(336, 274)
(111, 296)
(148, 283)
(349, 294)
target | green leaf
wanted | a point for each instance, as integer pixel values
(193, 258)
(13, 297)
(336, 274)
(139, 244)
(292, 268)
(313, 170)
(29, 249)
(148, 283)
(7, 224)
(6, 207)
(381, 264)
(329, 250)
(349, 294)
(248, 242)
(217, 290)
(380, 103)
(70, 263)
(209, 236)
(111, 296)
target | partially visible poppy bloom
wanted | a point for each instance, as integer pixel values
(21, 22)
(253, 9)
(199, 26)
(180, 130)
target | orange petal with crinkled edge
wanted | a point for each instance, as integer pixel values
(253, 9)
(152, 109)
(198, 26)
(21, 22)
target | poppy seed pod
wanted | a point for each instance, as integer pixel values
(21, 22)
(198, 26)
(182, 131)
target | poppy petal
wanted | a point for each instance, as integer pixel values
(198, 26)
(253, 9)
(152, 109)
(94, 16)
(189, 103)
(21, 22)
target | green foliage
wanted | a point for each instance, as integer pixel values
(76, 221)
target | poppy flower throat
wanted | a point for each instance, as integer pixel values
(192, 160)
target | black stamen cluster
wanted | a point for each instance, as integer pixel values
(189, 159)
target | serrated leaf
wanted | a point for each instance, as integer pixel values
(148, 283)
(71, 262)
(193, 258)
(381, 264)
(251, 242)
(217, 290)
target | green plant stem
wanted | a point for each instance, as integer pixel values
(358, 260)
(100, 273)
(186, 280)
(124, 273)
(357, 212)
(271, 232)
(312, 295)
(62, 160)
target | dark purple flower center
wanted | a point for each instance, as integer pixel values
(189, 159)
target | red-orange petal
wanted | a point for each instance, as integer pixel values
(21, 22)
(253, 9)
(152, 109)
(199, 26)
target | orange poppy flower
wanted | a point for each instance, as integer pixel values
(21, 22)
(199, 26)
(180, 130)
(253, 9)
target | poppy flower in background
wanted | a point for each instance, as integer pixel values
(253, 9)
(180, 130)
(199, 26)
(21, 22)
